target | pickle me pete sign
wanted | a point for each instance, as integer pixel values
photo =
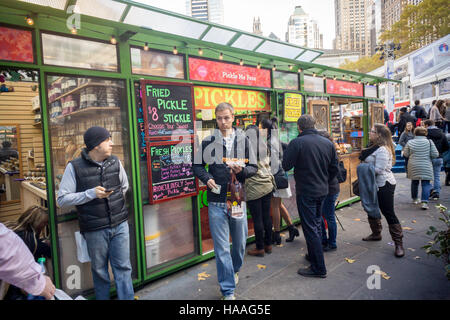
(168, 107)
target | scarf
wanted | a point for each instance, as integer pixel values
(367, 152)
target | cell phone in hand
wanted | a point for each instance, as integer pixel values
(108, 190)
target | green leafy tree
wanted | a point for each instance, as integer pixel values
(364, 65)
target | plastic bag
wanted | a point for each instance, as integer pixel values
(82, 250)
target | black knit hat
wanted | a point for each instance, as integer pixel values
(94, 136)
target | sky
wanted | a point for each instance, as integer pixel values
(274, 14)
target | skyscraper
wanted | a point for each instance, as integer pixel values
(393, 10)
(257, 26)
(350, 25)
(206, 10)
(303, 31)
(374, 24)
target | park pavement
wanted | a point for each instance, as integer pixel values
(416, 276)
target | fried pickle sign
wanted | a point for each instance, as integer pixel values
(292, 107)
(168, 107)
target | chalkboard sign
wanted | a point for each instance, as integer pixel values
(170, 171)
(168, 107)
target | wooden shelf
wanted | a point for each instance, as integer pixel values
(89, 84)
(86, 111)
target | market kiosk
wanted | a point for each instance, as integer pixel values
(153, 79)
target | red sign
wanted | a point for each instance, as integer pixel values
(16, 45)
(345, 88)
(221, 72)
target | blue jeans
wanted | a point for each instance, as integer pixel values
(328, 210)
(228, 261)
(426, 188)
(113, 245)
(437, 166)
(310, 211)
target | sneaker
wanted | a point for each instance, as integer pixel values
(236, 278)
(329, 248)
(416, 201)
(435, 196)
(229, 297)
(424, 206)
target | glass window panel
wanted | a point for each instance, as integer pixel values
(164, 23)
(157, 63)
(105, 9)
(246, 42)
(74, 105)
(57, 4)
(308, 56)
(79, 53)
(220, 36)
(278, 49)
(285, 80)
(70, 264)
(168, 231)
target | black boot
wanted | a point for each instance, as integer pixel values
(276, 238)
(293, 232)
(447, 178)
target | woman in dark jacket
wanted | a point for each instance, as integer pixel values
(277, 206)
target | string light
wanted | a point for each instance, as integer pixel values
(146, 46)
(314, 74)
(274, 68)
(73, 30)
(290, 67)
(324, 77)
(334, 78)
(343, 76)
(200, 51)
(29, 20)
(241, 62)
(259, 65)
(175, 51)
(299, 70)
(113, 40)
(221, 56)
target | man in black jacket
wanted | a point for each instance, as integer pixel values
(404, 118)
(227, 153)
(315, 164)
(440, 141)
(418, 112)
(96, 184)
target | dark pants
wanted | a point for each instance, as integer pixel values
(310, 211)
(386, 202)
(260, 211)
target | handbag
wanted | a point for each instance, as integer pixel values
(281, 179)
(355, 187)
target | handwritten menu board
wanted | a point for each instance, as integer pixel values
(170, 171)
(168, 107)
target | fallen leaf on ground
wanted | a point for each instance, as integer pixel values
(430, 242)
(261, 266)
(417, 257)
(411, 249)
(302, 248)
(407, 228)
(280, 245)
(357, 219)
(414, 221)
(349, 260)
(383, 274)
(203, 276)
(205, 264)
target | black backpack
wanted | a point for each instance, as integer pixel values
(342, 172)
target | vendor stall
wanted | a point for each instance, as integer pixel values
(153, 79)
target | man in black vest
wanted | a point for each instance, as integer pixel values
(96, 184)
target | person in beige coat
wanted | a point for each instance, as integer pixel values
(419, 152)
